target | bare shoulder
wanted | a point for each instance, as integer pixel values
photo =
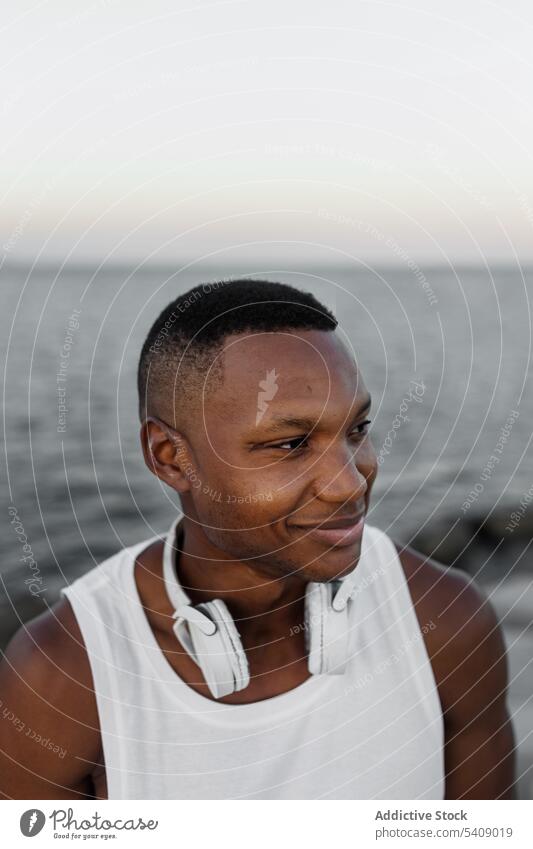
(49, 729)
(469, 662)
(462, 619)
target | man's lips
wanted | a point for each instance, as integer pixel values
(331, 533)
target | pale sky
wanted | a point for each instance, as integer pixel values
(170, 130)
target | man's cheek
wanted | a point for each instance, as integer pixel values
(212, 493)
(250, 498)
(246, 492)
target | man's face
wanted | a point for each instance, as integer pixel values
(282, 448)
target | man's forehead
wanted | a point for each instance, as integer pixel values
(296, 352)
(269, 371)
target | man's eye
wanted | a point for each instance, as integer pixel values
(298, 442)
(364, 425)
(294, 443)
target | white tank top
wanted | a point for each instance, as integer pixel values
(375, 732)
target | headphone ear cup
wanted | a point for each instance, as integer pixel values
(326, 630)
(208, 654)
(219, 655)
(232, 642)
(315, 603)
(336, 633)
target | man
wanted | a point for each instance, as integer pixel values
(255, 413)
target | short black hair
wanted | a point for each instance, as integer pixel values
(184, 340)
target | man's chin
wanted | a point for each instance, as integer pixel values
(333, 565)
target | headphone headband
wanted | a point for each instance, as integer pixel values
(175, 591)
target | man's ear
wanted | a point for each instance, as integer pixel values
(165, 453)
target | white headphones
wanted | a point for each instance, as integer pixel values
(208, 633)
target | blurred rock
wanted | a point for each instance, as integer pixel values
(479, 545)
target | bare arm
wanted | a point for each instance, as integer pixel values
(480, 745)
(49, 730)
(469, 662)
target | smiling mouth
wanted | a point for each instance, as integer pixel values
(339, 533)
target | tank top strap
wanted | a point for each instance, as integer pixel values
(392, 620)
(103, 607)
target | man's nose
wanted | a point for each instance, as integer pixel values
(337, 477)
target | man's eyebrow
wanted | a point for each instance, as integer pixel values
(280, 422)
